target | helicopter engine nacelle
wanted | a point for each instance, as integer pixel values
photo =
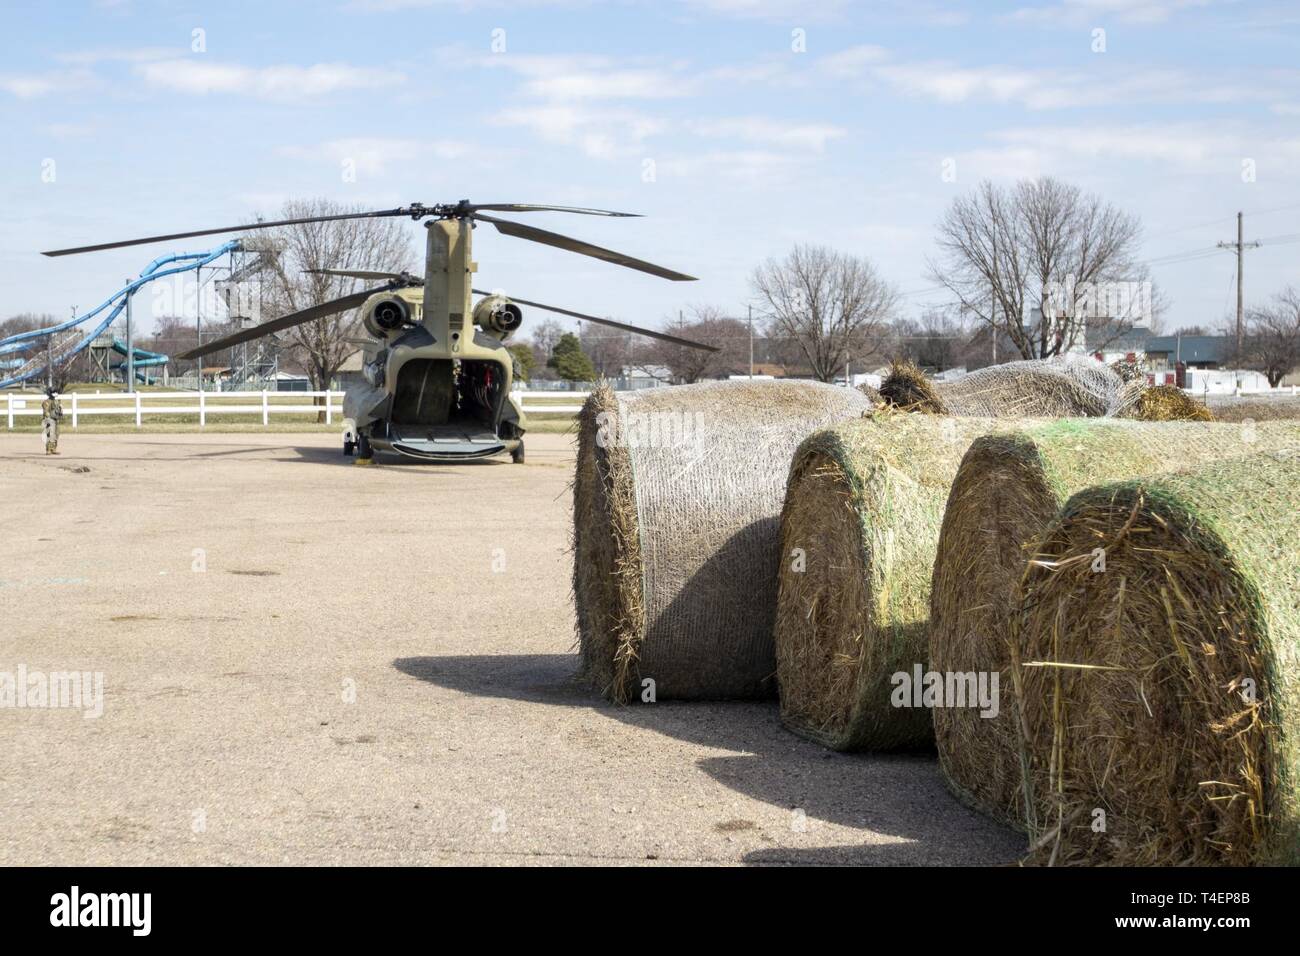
(385, 315)
(496, 313)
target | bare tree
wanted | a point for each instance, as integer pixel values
(682, 364)
(610, 350)
(323, 345)
(833, 306)
(25, 322)
(934, 341)
(1272, 341)
(1040, 261)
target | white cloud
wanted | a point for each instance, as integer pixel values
(748, 168)
(31, 85)
(118, 55)
(1057, 89)
(372, 156)
(600, 133)
(1092, 12)
(850, 62)
(568, 78)
(1083, 151)
(766, 131)
(770, 9)
(286, 82)
(70, 130)
(1182, 145)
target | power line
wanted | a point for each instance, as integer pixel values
(1215, 222)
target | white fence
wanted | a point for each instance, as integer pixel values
(140, 405)
(530, 401)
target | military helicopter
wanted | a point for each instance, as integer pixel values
(437, 372)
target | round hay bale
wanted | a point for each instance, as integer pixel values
(858, 536)
(1063, 387)
(1164, 691)
(677, 493)
(1008, 489)
(1027, 390)
(1169, 403)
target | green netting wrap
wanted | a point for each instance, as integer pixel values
(1160, 687)
(859, 532)
(1009, 487)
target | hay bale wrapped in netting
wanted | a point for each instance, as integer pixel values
(676, 498)
(1062, 387)
(1009, 487)
(858, 536)
(1164, 691)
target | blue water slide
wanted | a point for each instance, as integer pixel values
(179, 262)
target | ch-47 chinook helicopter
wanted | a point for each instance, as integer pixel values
(437, 370)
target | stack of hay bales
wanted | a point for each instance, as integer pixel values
(676, 498)
(859, 532)
(1009, 487)
(1039, 388)
(1161, 697)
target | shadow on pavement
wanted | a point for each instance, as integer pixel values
(900, 795)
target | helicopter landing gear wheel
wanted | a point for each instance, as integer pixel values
(517, 456)
(365, 455)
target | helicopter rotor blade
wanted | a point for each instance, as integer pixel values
(376, 214)
(286, 322)
(521, 231)
(635, 329)
(533, 207)
(405, 277)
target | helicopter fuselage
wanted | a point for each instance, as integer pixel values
(437, 371)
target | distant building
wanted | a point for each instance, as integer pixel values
(1109, 341)
(349, 372)
(1189, 351)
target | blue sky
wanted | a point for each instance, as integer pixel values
(764, 123)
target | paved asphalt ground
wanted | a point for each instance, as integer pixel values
(374, 666)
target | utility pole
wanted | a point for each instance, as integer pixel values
(198, 323)
(993, 300)
(751, 343)
(130, 344)
(1241, 247)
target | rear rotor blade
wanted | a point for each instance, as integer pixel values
(520, 231)
(401, 211)
(285, 322)
(635, 329)
(533, 207)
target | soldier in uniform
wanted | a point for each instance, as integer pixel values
(51, 412)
